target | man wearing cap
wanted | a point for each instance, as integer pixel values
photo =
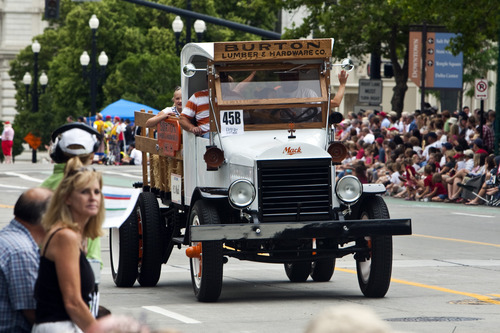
(444, 148)
(477, 147)
(462, 124)
(385, 121)
(7, 141)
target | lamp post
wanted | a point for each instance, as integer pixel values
(178, 25)
(95, 73)
(35, 94)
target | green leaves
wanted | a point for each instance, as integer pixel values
(143, 65)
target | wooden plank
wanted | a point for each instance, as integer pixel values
(142, 117)
(146, 145)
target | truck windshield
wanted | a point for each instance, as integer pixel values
(276, 86)
(274, 95)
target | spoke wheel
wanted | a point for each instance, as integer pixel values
(374, 269)
(151, 228)
(298, 271)
(124, 252)
(207, 269)
(322, 270)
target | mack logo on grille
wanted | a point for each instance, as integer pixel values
(292, 151)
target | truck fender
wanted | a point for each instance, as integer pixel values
(215, 194)
(374, 188)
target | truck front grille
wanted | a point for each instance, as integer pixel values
(294, 190)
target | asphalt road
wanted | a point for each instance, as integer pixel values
(445, 275)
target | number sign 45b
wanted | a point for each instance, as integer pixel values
(231, 122)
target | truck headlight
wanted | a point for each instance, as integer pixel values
(349, 189)
(241, 193)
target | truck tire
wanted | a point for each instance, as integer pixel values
(298, 271)
(151, 228)
(374, 273)
(207, 270)
(124, 252)
(322, 270)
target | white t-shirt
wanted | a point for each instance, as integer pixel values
(137, 156)
(395, 178)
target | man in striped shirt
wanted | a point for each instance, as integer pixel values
(195, 116)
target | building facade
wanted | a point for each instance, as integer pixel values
(20, 21)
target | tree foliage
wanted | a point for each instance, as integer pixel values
(143, 64)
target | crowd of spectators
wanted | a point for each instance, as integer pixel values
(426, 156)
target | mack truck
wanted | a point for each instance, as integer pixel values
(261, 185)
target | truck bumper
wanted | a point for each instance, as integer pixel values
(300, 230)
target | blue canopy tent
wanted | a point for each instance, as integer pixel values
(125, 109)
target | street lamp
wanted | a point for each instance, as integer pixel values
(178, 25)
(35, 94)
(95, 73)
(199, 28)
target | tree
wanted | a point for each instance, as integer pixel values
(143, 65)
(362, 27)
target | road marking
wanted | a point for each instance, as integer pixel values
(6, 206)
(122, 174)
(446, 290)
(13, 186)
(457, 240)
(172, 315)
(20, 175)
(474, 215)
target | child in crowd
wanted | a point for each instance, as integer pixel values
(425, 185)
(439, 192)
(410, 179)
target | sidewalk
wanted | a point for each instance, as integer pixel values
(27, 155)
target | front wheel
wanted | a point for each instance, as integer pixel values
(374, 268)
(207, 267)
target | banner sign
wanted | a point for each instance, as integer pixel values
(442, 68)
(273, 49)
(169, 137)
(119, 203)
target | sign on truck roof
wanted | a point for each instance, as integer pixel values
(273, 50)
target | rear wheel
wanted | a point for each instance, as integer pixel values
(375, 267)
(298, 271)
(322, 270)
(151, 227)
(124, 252)
(207, 268)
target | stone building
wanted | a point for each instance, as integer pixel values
(20, 20)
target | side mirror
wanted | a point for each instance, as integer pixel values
(346, 65)
(189, 70)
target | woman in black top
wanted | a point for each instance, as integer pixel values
(65, 278)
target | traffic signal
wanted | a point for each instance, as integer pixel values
(51, 9)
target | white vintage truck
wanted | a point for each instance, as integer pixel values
(262, 186)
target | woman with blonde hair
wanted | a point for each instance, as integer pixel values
(65, 277)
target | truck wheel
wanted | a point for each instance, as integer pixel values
(322, 270)
(151, 228)
(298, 271)
(206, 270)
(374, 272)
(124, 252)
